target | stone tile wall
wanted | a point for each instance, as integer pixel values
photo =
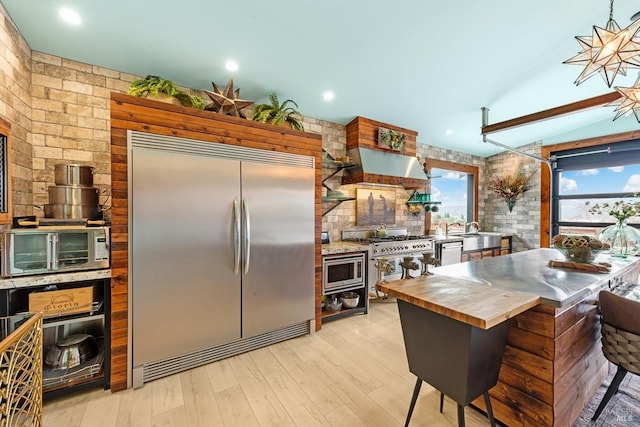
(70, 119)
(524, 220)
(15, 107)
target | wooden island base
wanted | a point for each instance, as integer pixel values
(553, 362)
(552, 366)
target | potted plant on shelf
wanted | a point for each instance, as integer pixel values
(278, 113)
(155, 87)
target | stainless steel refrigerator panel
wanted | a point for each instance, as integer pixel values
(278, 288)
(185, 294)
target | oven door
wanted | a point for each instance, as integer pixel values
(342, 273)
(82, 249)
(27, 253)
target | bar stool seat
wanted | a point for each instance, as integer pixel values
(620, 321)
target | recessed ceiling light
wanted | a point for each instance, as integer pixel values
(70, 16)
(231, 65)
(328, 95)
(448, 132)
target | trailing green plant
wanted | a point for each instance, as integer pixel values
(188, 100)
(156, 85)
(278, 113)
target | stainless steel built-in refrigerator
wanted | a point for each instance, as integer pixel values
(221, 251)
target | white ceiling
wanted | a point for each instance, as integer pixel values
(423, 65)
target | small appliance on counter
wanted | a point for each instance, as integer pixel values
(30, 251)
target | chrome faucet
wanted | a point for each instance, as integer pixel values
(474, 227)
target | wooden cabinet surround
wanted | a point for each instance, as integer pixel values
(130, 113)
(363, 132)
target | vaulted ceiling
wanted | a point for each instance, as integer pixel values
(423, 65)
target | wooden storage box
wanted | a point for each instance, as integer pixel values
(62, 302)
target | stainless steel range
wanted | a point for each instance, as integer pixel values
(398, 256)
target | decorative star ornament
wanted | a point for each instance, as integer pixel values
(609, 51)
(226, 101)
(629, 101)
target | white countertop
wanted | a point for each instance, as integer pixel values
(48, 279)
(343, 248)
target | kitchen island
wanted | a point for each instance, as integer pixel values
(552, 362)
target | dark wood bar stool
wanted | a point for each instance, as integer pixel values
(458, 359)
(620, 321)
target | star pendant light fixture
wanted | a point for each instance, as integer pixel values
(609, 51)
(629, 101)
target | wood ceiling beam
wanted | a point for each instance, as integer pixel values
(562, 110)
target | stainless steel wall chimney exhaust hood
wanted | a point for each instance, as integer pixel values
(386, 168)
(378, 164)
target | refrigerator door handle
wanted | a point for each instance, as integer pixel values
(236, 237)
(247, 235)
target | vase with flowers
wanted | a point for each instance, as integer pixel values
(623, 238)
(510, 187)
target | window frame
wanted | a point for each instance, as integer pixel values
(547, 151)
(456, 167)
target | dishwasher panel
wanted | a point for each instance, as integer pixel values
(451, 253)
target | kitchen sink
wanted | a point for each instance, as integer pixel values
(471, 242)
(480, 240)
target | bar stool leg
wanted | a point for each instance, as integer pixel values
(441, 401)
(487, 403)
(416, 392)
(613, 388)
(460, 415)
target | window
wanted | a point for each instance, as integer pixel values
(599, 174)
(455, 186)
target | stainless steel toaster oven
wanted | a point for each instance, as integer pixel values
(52, 250)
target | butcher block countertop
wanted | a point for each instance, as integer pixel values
(486, 292)
(474, 303)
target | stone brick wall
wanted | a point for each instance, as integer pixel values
(524, 220)
(70, 119)
(15, 107)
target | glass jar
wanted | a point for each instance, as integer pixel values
(623, 239)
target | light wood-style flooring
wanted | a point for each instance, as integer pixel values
(351, 373)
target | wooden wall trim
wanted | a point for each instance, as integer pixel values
(545, 193)
(562, 110)
(5, 129)
(130, 113)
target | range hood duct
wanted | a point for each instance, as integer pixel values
(384, 168)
